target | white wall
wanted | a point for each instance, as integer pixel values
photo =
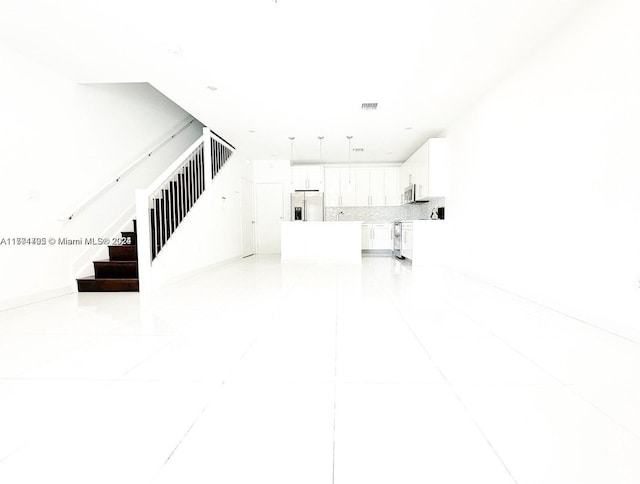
(210, 234)
(60, 143)
(545, 196)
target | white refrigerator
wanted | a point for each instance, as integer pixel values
(307, 206)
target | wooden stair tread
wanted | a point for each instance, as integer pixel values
(123, 253)
(105, 261)
(91, 284)
(94, 278)
(118, 273)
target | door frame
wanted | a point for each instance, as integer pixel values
(248, 215)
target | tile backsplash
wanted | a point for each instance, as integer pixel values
(415, 211)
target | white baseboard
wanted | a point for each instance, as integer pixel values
(17, 302)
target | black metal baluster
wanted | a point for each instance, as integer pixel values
(163, 234)
(202, 174)
(167, 214)
(190, 183)
(213, 158)
(198, 175)
(174, 205)
(152, 223)
(186, 190)
(181, 195)
(202, 186)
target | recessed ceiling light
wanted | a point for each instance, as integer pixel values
(408, 128)
(390, 153)
(251, 131)
(212, 88)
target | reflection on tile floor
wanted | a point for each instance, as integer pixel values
(302, 373)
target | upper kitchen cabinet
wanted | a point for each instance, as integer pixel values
(392, 186)
(369, 187)
(332, 187)
(338, 187)
(376, 187)
(309, 177)
(427, 169)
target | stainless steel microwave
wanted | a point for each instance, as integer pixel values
(409, 195)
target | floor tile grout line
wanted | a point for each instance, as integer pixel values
(503, 341)
(65, 353)
(198, 416)
(453, 391)
(564, 385)
(16, 450)
(335, 399)
(221, 385)
(548, 308)
(148, 357)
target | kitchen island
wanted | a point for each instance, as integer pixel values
(321, 241)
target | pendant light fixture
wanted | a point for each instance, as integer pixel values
(320, 138)
(293, 185)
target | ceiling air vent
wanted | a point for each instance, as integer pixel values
(369, 106)
(357, 150)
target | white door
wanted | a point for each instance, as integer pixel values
(248, 219)
(269, 214)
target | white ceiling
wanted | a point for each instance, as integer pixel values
(296, 67)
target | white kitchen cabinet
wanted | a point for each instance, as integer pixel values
(347, 188)
(338, 187)
(332, 187)
(382, 236)
(370, 187)
(407, 240)
(307, 177)
(376, 187)
(362, 186)
(367, 240)
(427, 169)
(377, 236)
(392, 187)
(438, 168)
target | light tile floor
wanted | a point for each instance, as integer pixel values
(261, 372)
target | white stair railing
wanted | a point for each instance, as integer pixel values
(161, 207)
